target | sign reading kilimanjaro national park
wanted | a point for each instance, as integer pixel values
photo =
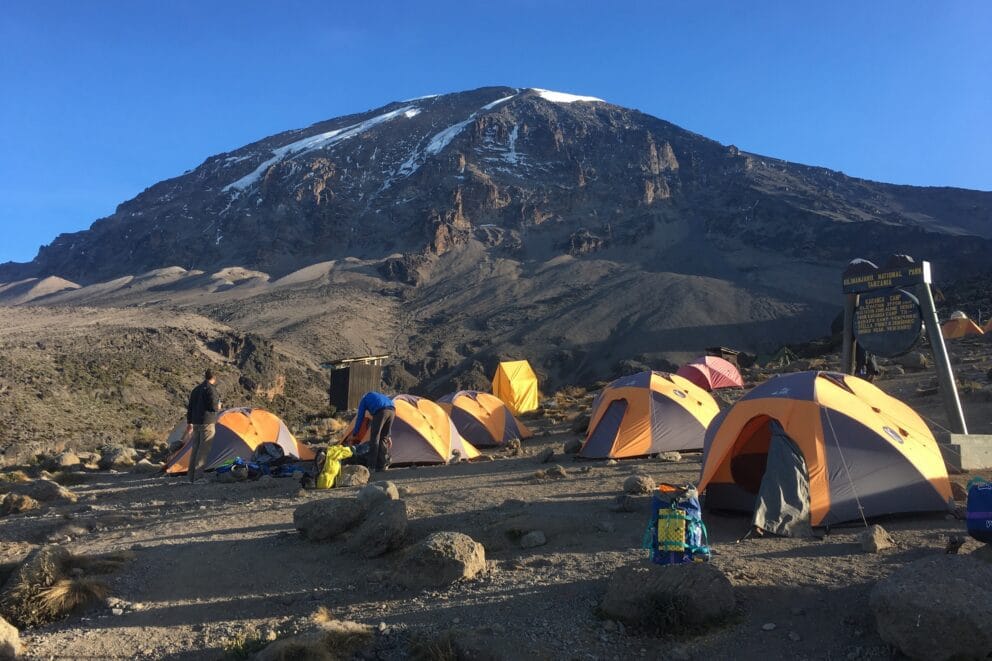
(887, 320)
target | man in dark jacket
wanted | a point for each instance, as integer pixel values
(382, 410)
(201, 420)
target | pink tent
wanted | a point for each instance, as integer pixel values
(710, 373)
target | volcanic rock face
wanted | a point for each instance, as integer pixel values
(569, 174)
(453, 231)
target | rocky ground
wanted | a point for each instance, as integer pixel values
(218, 570)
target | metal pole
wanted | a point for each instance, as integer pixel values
(847, 357)
(945, 375)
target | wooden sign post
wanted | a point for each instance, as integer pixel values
(882, 314)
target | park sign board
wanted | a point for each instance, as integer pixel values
(887, 323)
(862, 276)
(882, 316)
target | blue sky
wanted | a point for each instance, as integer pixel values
(101, 99)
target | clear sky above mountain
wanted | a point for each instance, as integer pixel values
(101, 99)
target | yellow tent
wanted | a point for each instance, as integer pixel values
(516, 384)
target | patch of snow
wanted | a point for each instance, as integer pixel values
(413, 112)
(511, 154)
(562, 97)
(490, 106)
(319, 141)
(421, 98)
(441, 140)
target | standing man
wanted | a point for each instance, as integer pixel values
(382, 410)
(201, 420)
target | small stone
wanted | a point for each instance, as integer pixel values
(636, 484)
(557, 472)
(545, 456)
(572, 446)
(768, 626)
(117, 611)
(875, 539)
(612, 462)
(794, 637)
(610, 625)
(670, 457)
(532, 539)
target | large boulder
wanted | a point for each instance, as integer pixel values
(669, 597)
(117, 458)
(382, 530)
(328, 518)
(352, 475)
(442, 558)
(45, 491)
(10, 641)
(371, 494)
(938, 608)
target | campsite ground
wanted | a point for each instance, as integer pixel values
(217, 563)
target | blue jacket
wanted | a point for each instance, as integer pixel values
(373, 402)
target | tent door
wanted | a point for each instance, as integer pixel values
(782, 505)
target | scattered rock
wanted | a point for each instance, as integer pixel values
(68, 461)
(669, 597)
(914, 360)
(557, 472)
(532, 539)
(959, 493)
(382, 530)
(117, 458)
(45, 491)
(512, 447)
(10, 641)
(612, 462)
(545, 456)
(581, 425)
(572, 446)
(670, 457)
(371, 494)
(636, 484)
(15, 503)
(352, 476)
(875, 539)
(939, 608)
(442, 558)
(328, 517)
(794, 637)
(539, 475)
(895, 370)
(630, 503)
(954, 543)
(983, 553)
(147, 467)
(768, 626)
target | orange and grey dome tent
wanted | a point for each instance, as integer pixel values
(516, 384)
(645, 413)
(819, 448)
(711, 373)
(959, 325)
(238, 433)
(422, 433)
(483, 419)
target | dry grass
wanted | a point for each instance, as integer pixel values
(14, 477)
(69, 595)
(433, 648)
(52, 583)
(333, 640)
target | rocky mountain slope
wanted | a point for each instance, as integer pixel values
(454, 230)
